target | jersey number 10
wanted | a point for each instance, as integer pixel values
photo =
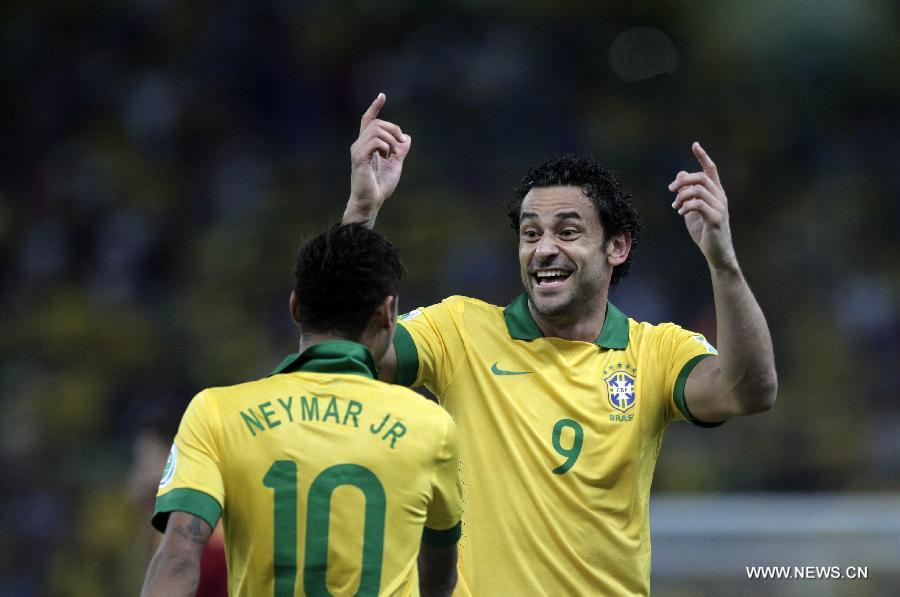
(282, 478)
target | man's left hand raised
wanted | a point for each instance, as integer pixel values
(742, 380)
(702, 201)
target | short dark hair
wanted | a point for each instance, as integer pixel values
(341, 276)
(614, 207)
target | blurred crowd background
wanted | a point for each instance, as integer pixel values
(163, 160)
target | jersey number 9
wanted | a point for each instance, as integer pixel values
(574, 451)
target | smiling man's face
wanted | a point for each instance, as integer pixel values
(562, 257)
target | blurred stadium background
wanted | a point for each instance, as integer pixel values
(162, 161)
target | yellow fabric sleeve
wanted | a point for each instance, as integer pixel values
(428, 345)
(194, 483)
(681, 350)
(442, 522)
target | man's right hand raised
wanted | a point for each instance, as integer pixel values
(376, 161)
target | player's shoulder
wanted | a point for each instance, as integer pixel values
(251, 385)
(456, 304)
(473, 309)
(272, 382)
(647, 328)
(409, 399)
(659, 333)
(352, 384)
(459, 302)
(405, 403)
(214, 394)
(455, 310)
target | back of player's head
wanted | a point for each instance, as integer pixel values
(341, 276)
(614, 207)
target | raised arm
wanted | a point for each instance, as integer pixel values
(742, 380)
(376, 161)
(175, 569)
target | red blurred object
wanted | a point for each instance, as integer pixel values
(213, 571)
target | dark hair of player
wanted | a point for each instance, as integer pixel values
(615, 208)
(341, 276)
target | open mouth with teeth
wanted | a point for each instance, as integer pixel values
(550, 278)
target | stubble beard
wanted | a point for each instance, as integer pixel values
(563, 311)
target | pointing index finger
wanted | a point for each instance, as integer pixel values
(709, 167)
(372, 112)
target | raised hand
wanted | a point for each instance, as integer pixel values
(701, 200)
(376, 161)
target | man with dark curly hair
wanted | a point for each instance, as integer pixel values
(561, 399)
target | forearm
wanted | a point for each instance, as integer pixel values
(747, 361)
(171, 575)
(175, 569)
(437, 571)
(356, 213)
(376, 161)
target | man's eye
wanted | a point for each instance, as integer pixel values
(568, 232)
(529, 234)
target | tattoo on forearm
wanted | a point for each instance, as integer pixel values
(192, 531)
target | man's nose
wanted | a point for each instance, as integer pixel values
(546, 247)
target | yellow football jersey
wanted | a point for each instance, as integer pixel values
(558, 441)
(326, 479)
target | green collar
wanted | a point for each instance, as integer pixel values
(334, 356)
(521, 325)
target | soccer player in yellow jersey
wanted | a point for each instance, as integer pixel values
(560, 398)
(326, 479)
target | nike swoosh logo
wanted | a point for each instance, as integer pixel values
(497, 371)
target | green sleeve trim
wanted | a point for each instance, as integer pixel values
(407, 357)
(441, 539)
(678, 393)
(186, 500)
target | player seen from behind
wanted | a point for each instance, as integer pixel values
(326, 479)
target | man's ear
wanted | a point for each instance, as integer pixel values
(387, 312)
(618, 248)
(292, 304)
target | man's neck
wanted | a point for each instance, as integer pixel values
(584, 326)
(307, 340)
(377, 344)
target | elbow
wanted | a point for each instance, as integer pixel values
(761, 397)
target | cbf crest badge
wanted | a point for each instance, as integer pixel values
(620, 386)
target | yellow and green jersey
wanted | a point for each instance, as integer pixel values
(327, 480)
(558, 440)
